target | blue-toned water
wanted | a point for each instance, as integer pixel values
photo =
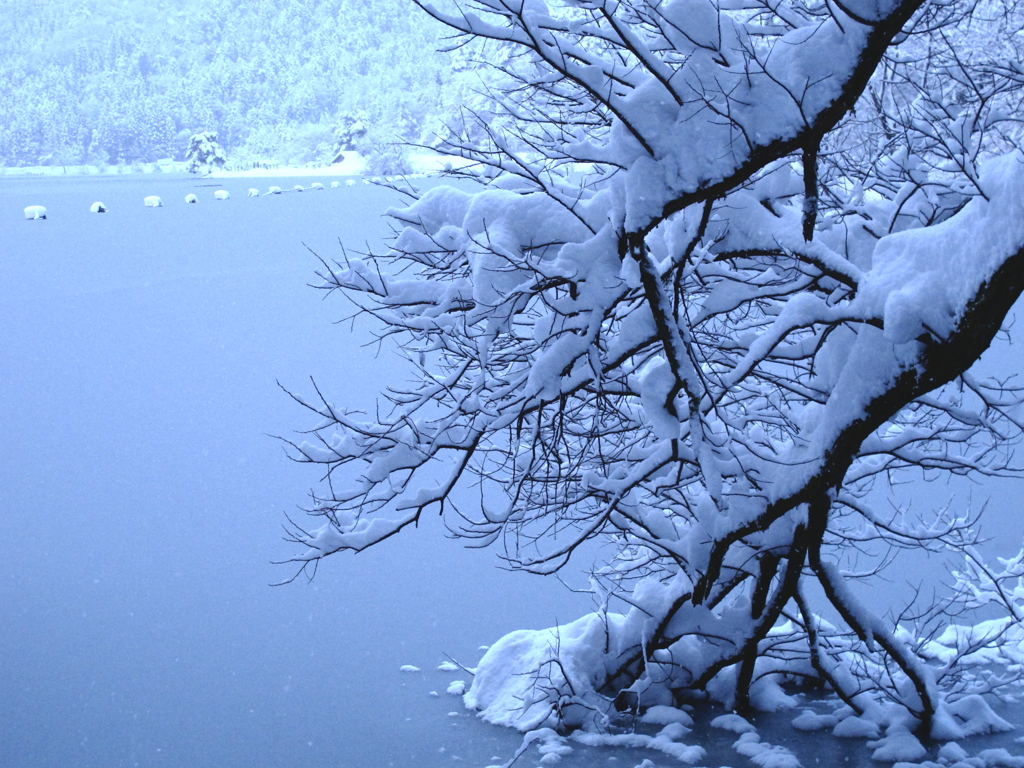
(142, 498)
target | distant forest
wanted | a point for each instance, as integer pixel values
(287, 81)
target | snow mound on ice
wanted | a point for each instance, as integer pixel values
(733, 723)
(662, 715)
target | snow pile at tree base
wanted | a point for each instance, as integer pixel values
(552, 678)
(516, 674)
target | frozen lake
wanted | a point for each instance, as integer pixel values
(142, 501)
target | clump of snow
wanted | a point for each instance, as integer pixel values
(921, 279)
(897, 744)
(221, 194)
(952, 752)
(516, 672)
(97, 207)
(766, 695)
(298, 188)
(191, 198)
(457, 687)
(447, 666)
(663, 742)
(275, 190)
(316, 185)
(408, 668)
(734, 723)
(854, 727)
(336, 184)
(809, 720)
(253, 192)
(152, 202)
(662, 715)
(763, 754)
(967, 716)
(35, 212)
(998, 758)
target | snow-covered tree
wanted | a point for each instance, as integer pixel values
(726, 273)
(204, 154)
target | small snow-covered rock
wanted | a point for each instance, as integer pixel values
(97, 208)
(316, 185)
(274, 191)
(408, 668)
(335, 184)
(434, 694)
(350, 183)
(253, 192)
(457, 687)
(153, 202)
(190, 198)
(221, 194)
(35, 212)
(298, 188)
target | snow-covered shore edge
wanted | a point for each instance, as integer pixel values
(353, 164)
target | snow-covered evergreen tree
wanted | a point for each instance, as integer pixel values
(204, 154)
(726, 272)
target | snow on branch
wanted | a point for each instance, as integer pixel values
(721, 275)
